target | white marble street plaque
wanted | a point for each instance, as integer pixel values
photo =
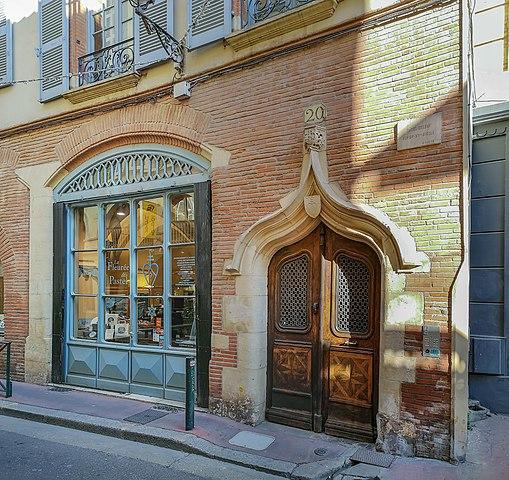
(419, 132)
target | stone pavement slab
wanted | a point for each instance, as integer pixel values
(291, 454)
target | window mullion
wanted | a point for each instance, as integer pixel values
(101, 270)
(167, 272)
(118, 21)
(90, 31)
(70, 310)
(133, 271)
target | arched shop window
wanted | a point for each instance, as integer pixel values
(131, 249)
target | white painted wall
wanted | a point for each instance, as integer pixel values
(490, 34)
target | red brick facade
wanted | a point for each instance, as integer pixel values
(368, 80)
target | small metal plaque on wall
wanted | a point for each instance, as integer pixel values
(431, 340)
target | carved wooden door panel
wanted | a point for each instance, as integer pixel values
(350, 337)
(294, 292)
(323, 336)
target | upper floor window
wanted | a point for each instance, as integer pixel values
(255, 11)
(6, 74)
(118, 41)
(110, 24)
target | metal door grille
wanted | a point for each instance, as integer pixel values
(294, 294)
(352, 295)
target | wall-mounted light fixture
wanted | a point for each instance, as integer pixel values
(171, 45)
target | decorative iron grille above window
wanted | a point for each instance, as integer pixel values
(254, 11)
(135, 171)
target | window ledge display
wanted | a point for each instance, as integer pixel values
(104, 87)
(122, 253)
(274, 27)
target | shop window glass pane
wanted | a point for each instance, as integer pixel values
(183, 270)
(117, 322)
(85, 228)
(85, 317)
(150, 321)
(127, 29)
(117, 225)
(182, 218)
(150, 222)
(183, 325)
(116, 272)
(150, 271)
(85, 272)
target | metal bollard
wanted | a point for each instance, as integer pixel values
(7, 388)
(8, 382)
(190, 391)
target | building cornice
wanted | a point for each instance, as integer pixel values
(491, 113)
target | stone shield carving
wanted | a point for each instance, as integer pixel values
(313, 205)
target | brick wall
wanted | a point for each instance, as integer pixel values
(77, 33)
(368, 80)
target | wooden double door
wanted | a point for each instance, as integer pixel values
(324, 336)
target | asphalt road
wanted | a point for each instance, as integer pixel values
(36, 451)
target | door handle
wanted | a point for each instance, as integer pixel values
(315, 307)
(350, 343)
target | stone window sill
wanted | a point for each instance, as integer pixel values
(104, 87)
(279, 25)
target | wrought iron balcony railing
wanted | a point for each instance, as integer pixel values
(106, 63)
(254, 11)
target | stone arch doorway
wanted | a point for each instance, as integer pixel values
(315, 201)
(323, 335)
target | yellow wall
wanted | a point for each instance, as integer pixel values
(19, 103)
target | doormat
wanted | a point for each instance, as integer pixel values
(254, 441)
(146, 416)
(363, 455)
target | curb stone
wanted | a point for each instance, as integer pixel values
(185, 442)
(323, 469)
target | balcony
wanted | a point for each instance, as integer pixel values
(108, 62)
(105, 71)
(254, 11)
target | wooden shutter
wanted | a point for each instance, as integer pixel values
(5, 48)
(54, 49)
(213, 24)
(147, 47)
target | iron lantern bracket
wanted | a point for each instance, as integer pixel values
(171, 45)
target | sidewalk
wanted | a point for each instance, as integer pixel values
(268, 447)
